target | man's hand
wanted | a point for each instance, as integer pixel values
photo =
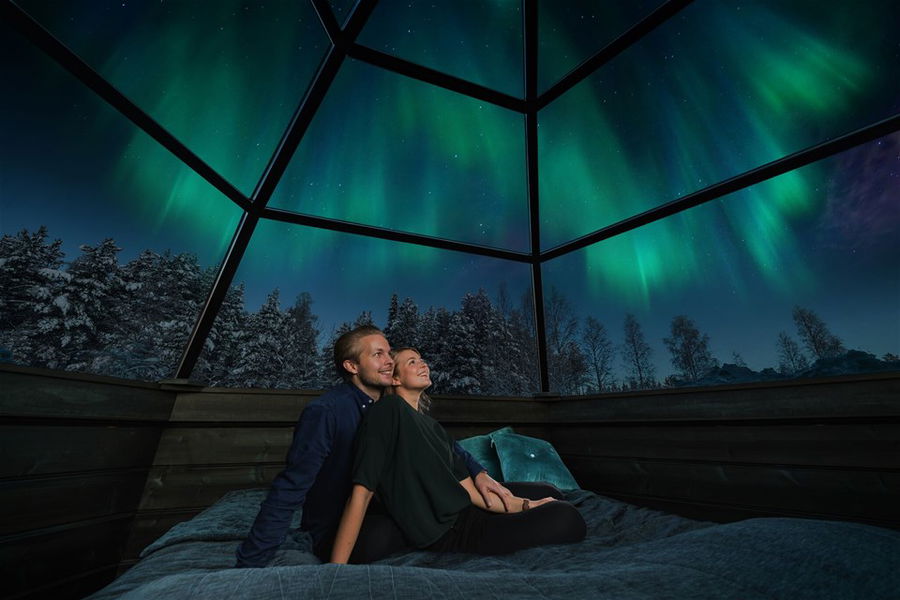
(488, 487)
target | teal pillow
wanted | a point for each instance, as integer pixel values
(482, 449)
(524, 458)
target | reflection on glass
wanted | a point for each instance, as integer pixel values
(571, 32)
(298, 288)
(480, 42)
(718, 90)
(108, 242)
(389, 151)
(224, 77)
(798, 276)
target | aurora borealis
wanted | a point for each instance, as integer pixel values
(720, 89)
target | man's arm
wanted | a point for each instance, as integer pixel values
(484, 483)
(310, 447)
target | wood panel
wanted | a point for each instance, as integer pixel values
(34, 562)
(46, 501)
(198, 486)
(149, 525)
(75, 587)
(838, 444)
(861, 396)
(241, 406)
(38, 449)
(851, 494)
(26, 392)
(223, 445)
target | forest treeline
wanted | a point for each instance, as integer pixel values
(133, 320)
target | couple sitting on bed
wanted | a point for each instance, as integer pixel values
(374, 475)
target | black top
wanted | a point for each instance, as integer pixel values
(407, 458)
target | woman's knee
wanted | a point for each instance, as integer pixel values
(566, 521)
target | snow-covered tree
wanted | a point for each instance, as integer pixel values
(599, 354)
(790, 357)
(689, 349)
(636, 356)
(82, 316)
(262, 363)
(163, 298)
(403, 328)
(223, 346)
(816, 336)
(300, 345)
(435, 346)
(31, 268)
(464, 363)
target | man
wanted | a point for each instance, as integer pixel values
(316, 477)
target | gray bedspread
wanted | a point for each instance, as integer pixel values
(630, 553)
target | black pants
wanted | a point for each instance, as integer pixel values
(477, 530)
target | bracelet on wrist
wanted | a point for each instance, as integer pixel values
(525, 505)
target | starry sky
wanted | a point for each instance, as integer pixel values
(722, 88)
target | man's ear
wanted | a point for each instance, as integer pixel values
(350, 366)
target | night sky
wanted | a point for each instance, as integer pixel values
(722, 88)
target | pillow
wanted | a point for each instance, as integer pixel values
(524, 458)
(481, 448)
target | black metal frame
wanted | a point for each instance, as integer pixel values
(343, 45)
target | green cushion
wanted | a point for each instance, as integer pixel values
(482, 449)
(524, 458)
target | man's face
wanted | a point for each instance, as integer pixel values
(374, 365)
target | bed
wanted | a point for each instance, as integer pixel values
(629, 553)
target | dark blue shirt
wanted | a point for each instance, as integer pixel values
(316, 477)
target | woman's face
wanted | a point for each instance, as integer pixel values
(411, 371)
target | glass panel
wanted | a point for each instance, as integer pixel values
(571, 32)
(389, 151)
(723, 88)
(342, 10)
(108, 241)
(477, 41)
(224, 77)
(798, 276)
(298, 288)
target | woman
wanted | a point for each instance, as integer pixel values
(406, 457)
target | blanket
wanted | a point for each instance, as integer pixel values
(629, 553)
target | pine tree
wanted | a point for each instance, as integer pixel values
(599, 354)
(689, 349)
(300, 343)
(817, 338)
(262, 363)
(636, 355)
(435, 347)
(222, 348)
(30, 268)
(463, 365)
(164, 296)
(791, 359)
(403, 324)
(85, 314)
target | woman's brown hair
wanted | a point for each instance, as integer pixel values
(424, 399)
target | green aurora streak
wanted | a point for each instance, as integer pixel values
(717, 91)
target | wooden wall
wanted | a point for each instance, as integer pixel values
(76, 451)
(823, 449)
(95, 468)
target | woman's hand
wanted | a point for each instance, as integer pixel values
(529, 504)
(512, 504)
